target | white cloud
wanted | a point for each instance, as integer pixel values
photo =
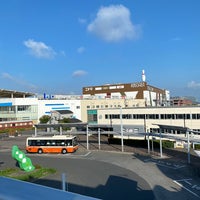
(176, 39)
(62, 53)
(39, 49)
(193, 85)
(81, 49)
(82, 21)
(79, 73)
(113, 24)
(7, 76)
(18, 81)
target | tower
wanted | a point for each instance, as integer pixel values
(143, 76)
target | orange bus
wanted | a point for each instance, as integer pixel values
(54, 144)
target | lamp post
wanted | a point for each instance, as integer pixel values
(145, 124)
(110, 121)
(87, 137)
(188, 145)
(121, 127)
(160, 144)
(99, 139)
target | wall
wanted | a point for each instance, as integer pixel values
(150, 123)
(45, 106)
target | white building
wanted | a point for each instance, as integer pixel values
(45, 106)
(20, 106)
(145, 119)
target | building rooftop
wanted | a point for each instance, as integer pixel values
(14, 94)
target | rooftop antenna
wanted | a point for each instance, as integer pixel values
(143, 76)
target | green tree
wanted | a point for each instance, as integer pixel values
(65, 120)
(44, 119)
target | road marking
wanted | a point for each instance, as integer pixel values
(165, 164)
(61, 155)
(77, 155)
(186, 181)
(5, 150)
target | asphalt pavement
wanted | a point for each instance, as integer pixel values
(112, 174)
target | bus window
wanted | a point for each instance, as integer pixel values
(53, 143)
(60, 143)
(75, 142)
(68, 142)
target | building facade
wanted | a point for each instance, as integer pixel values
(46, 106)
(19, 109)
(146, 119)
(153, 96)
(141, 106)
(87, 105)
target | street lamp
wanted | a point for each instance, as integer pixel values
(121, 127)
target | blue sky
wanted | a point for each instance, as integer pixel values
(60, 46)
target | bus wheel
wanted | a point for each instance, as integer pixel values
(64, 151)
(40, 151)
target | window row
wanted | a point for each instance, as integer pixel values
(19, 108)
(103, 106)
(153, 116)
(50, 142)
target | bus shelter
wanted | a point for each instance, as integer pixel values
(176, 137)
(59, 126)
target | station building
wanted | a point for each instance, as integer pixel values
(145, 119)
(142, 107)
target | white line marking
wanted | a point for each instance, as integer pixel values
(188, 183)
(165, 164)
(186, 179)
(87, 153)
(186, 189)
(179, 167)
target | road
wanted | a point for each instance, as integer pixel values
(112, 175)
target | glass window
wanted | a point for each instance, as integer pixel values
(187, 116)
(134, 116)
(75, 142)
(69, 142)
(141, 116)
(194, 116)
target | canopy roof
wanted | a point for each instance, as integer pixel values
(169, 127)
(14, 94)
(60, 125)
